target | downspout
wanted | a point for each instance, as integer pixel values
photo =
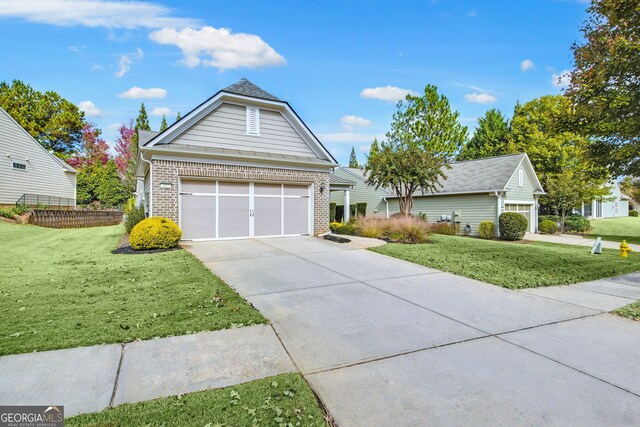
(387, 203)
(498, 195)
(150, 184)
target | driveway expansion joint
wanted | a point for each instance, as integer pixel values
(117, 378)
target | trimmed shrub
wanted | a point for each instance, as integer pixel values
(155, 233)
(512, 226)
(548, 227)
(347, 229)
(333, 226)
(487, 230)
(576, 223)
(332, 212)
(633, 213)
(134, 216)
(339, 213)
(554, 218)
(445, 228)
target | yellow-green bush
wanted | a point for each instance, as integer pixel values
(548, 227)
(487, 230)
(155, 233)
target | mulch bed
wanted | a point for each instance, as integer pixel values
(336, 239)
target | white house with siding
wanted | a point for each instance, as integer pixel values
(474, 191)
(28, 168)
(613, 206)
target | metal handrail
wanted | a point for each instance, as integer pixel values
(40, 200)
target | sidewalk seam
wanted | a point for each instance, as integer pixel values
(117, 379)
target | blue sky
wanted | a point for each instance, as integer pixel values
(340, 64)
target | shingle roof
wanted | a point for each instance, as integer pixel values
(245, 87)
(488, 174)
(145, 136)
(335, 179)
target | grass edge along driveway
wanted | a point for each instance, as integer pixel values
(281, 400)
(616, 229)
(514, 265)
(62, 288)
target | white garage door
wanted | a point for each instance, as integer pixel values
(524, 210)
(227, 210)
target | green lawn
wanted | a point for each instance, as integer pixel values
(514, 265)
(64, 288)
(616, 229)
(283, 400)
(632, 311)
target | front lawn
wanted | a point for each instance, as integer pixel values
(514, 265)
(64, 288)
(631, 311)
(616, 229)
(283, 400)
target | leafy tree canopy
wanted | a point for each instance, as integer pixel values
(605, 83)
(424, 137)
(489, 139)
(52, 120)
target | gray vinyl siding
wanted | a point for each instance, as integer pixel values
(515, 192)
(473, 208)
(44, 174)
(225, 127)
(362, 193)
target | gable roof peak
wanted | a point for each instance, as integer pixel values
(247, 88)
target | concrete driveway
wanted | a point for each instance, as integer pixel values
(385, 342)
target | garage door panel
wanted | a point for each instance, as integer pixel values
(198, 217)
(296, 190)
(234, 217)
(267, 217)
(296, 216)
(194, 186)
(267, 189)
(233, 187)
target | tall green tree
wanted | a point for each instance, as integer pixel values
(353, 160)
(102, 184)
(178, 116)
(489, 139)
(424, 137)
(142, 123)
(539, 128)
(52, 120)
(163, 123)
(605, 83)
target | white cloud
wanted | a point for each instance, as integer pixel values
(219, 48)
(386, 93)
(76, 48)
(97, 67)
(160, 111)
(561, 80)
(140, 93)
(480, 98)
(526, 65)
(471, 14)
(89, 108)
(125, 61)
(94, 13)
(348, 122)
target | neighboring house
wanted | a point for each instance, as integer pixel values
(241, 164)
(613, 206)
(28, 169)
(474, 191)
(376, 199)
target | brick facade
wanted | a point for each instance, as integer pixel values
(165, 200)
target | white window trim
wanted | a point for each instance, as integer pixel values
(257, 123)
(13, 163)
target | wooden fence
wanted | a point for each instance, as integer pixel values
(73, 218)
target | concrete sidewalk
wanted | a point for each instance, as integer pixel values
(572, 239)
(89, 379)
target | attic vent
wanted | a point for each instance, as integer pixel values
(520, 178)
(253, 121)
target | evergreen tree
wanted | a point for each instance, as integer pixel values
(142, 122)
(353, 160)
(178, 116)
(490, 138)
(163, 123)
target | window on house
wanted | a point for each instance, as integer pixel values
(520, 178)
(20, 166)
(253, 121)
